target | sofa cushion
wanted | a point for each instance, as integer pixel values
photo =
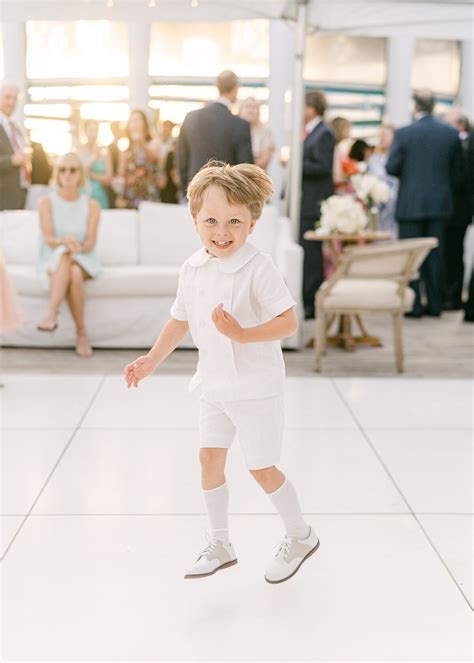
(19, 236)
(123, 281)
(377, 294)
(117, 240)
(166, 234)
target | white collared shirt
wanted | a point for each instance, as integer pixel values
(254, 292)
(311, 125)
(224, 101)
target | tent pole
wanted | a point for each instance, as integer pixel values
(297, 120)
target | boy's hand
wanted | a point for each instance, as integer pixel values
(227, 324)
(138, 370)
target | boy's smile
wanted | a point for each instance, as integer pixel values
(222, 226)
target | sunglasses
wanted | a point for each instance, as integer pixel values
(71, 170)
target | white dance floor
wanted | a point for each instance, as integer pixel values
(102, 512)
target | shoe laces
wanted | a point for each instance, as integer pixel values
(211, 544)
(282, 550)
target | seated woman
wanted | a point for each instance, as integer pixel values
(69, 220)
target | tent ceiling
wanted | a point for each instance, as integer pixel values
(449, 19)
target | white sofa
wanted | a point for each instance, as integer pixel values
(141, 252)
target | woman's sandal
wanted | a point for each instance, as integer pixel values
(47, 327)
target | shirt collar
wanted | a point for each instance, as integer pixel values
(227, 265)
(312, 124)
(224, 101)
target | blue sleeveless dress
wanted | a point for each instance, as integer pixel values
(69, 218)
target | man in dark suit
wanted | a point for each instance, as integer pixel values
(317, 185)
(469, 311)
(426, 156)
(15, 163)
(213, 132)
(457, 226)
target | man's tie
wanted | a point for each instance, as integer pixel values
(17, 144)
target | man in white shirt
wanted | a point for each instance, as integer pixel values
(237, 307)
(15, 162)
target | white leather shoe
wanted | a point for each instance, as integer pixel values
(215, 556)
(289, 555)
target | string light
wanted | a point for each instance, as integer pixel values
(194, 3)
(110, 3)
(151, 3)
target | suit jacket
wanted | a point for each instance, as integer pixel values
(470, 172)
(12, 196)
(317, 183)
(212, 132)
(426, 156)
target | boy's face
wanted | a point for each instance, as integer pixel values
(222, 226)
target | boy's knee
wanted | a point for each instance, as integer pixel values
(263, 475)
(211, 458)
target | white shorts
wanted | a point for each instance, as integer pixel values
(258, 424)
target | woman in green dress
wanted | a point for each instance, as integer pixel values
(69, 220)
(97, 163)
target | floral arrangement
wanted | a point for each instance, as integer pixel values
(370, 190)
(353, 212)
(343, 214)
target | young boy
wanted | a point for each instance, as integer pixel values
(237, 307)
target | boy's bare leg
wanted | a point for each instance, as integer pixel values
(269, 478)
(212, 467)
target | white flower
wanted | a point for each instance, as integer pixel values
(342, 214)
(366, 186)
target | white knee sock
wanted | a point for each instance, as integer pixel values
(217, 503)
(286, 503)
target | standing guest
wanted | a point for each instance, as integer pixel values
(114, 152)
(457, 226)
(317, 185)
(141, 166)
(341, 128)
(469, 309)
(69, 221)
(169, 194)
(376, 166)
(425, 156)
(360, 151)
(97, 164)
(263, 146)
(41, 170)
(213, 133)
(15, 153)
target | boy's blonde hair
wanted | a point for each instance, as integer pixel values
(243, 184)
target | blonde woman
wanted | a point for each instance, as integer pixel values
(69, 221)
(260, 133)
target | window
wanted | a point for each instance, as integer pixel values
(205, 49)
(345, 59)
(76, 49)
(436, 66)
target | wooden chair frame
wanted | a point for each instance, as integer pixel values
(415, 250)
